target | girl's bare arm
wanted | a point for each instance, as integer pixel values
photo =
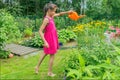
(62, 13)
(45, 22)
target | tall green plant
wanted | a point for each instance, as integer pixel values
(105, 70)
(8, 28)
(97, 59)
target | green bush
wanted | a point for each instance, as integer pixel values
(64, 22)
(9, 31)
(66, 35)
(31, 22)
(63, 41)
(91, 42)
(28, 32)
(101, 71)
(59, 22)
(36, 41)
(14, 8)
(24, 22)
(97, 59)
(3, 38)
(38, 24)
(95, 64)
(8, 27)
(72, 58)
(4, 54)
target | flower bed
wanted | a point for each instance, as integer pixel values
(94, 58)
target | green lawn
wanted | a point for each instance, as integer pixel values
(23, 67)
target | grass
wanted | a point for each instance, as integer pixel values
(23, 67)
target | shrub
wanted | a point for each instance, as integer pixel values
(24, 22)
(64, 22)
(31, 22)
(3, 38)
(63, 35)
(94, 50)
(36, 41)
(72, 58)
(4, 54)
(66, 35)
(62, 41)
(8, 26)
(96, 58)
(9, 31)
(28, 32)
(38, 24)
(101, 71)
(59, 22)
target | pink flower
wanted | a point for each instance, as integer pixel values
(107, 31)
(112, 28)
(118, 30)
(112, 35)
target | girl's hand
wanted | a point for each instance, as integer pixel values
(71, 11)
(46, 45)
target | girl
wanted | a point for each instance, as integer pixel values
(49, 37)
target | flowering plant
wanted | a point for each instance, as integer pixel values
(114, 32)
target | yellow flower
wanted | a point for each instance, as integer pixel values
(78, 28)
(97, 23)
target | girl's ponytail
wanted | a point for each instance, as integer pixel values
(45, 10)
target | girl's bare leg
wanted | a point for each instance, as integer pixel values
(43, 55)
(50, 65)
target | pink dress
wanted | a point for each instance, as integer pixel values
(50, 35)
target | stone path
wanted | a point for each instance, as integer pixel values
(19, 49)
(23, 50)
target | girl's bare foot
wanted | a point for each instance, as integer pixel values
(36, 70)
(51, 74)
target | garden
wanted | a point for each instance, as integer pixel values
(95, 53)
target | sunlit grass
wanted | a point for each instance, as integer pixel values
(23, 67)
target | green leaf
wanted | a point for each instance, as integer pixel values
(116, 49)
(81, 62)
(73, 72)
(88, 71)
(94, 57)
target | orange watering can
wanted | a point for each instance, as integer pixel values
(74, 16)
